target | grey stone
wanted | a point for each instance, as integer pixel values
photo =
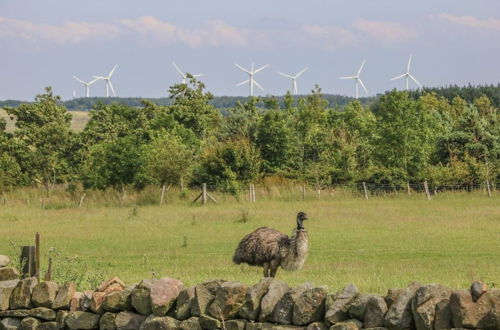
(210, 323)
(4, 261)
(86, 300)
(107, 321)
(259, 326)
(10, 324)
(282, 313)
(286, 327)
(375, 310)
(82, 320)
(400, 316)
(64, 295)
(29, 323)
(164, 292)
(119, 300)
(358, 306)
(111, 285)
(47, 326)
(317, 326)
(43, 313)
(424, 304)
(337, 305)
(184, 302)
(477, 289)
(392, 296)
(141, 297)
(235, 324)
(44, 294)
(443, 318)
(276, 290)
(76, 302)
(228, 300)
(8, 273)
(192, 323)
(251, 305)
(21, 295)
(153, 322)
(352, 324)
(309, 306)
(6, 288)
(129, 321)
(204, 295)
(17, 313)
(61, 319)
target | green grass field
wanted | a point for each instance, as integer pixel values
(377, 244)
(78, 122)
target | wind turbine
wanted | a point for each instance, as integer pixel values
(108, 81)
(408, 75)
(358, 79)
(87, 84)
(294, 79)
(251, 80)
(183, 75)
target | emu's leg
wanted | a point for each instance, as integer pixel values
(273, 268)
(266, 269)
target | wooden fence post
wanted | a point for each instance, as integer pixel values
(164, 189)
(80, 203)
(488, 187)
(204, 193)
(37, 256)
(28, 261)
(366, 190)
(426, 187)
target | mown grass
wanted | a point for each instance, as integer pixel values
(78, 121)
(376, 244)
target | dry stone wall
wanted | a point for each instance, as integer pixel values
(166, 303)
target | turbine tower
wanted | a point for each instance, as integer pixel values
(183, 75)
(295, 89)
(251, 81)
(358, 80)
(408, 76)
(108, 81)
(87, 84)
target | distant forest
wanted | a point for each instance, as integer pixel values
(468, 93)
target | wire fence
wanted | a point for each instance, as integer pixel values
(61, 197)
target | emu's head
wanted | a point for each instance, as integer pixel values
(301, 216)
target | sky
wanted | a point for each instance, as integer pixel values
(45, 43)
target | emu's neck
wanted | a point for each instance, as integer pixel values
(300, 225)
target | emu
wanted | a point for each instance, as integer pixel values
(268, 248)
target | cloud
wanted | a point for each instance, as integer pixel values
(68, 32)
(211, 33)
(385, 31)
(331, 37)
(471, 21)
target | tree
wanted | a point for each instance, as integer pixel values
(43, 132)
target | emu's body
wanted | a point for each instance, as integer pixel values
(268, 248)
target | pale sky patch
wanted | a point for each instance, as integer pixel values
(330, 37)
(66, 33)
(471, 21)
(385, 31)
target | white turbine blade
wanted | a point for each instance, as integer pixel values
(257, 84)
(361, 67)
(409, 63)
(399, 77)
(363, 85)
(113, 70)
(99, 77)
(285, 75)
(415, 80)
(198, 75)
(242, 68)
(261, 68)
(83, 82)
(111, 86)
(350, 77)
(92, 81)
(243, 82)
(179, 70)
(301, 72)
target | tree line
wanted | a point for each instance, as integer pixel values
(398, 138)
